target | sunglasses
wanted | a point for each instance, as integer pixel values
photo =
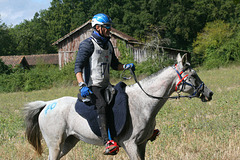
(107, 26)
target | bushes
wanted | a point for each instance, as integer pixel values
(12, 82)
(217, 45)
(4, 69)
(40, 77)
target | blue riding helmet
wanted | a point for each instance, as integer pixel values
(101, 19)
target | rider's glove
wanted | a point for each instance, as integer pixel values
(128, 66)
(84, 90)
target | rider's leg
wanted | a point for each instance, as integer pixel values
(102, 120)
(101, 110)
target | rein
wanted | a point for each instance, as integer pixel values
(170, 97)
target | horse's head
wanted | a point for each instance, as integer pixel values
(189, 81)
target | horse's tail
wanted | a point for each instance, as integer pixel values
(33, 133)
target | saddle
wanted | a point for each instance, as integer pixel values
(108, 95)
(116, 112)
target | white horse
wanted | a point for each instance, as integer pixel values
(62, 127)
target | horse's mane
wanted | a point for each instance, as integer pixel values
(152, 75)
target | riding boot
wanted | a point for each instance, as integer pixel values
(111, 147)
(103, 127)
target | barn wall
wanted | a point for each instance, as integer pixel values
(68, 48)
(114, 42)
(140, 53)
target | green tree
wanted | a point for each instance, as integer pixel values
(66, 15)
(182, 20)
(4, 69)
(6, 40)
(31, 37)
(217, 45)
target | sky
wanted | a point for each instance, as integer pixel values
(14, 12)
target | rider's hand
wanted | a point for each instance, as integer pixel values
(128, 66)
(84, 90)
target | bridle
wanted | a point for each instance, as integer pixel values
(182, 81)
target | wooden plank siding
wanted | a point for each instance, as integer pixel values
(141, 54)
(68, 45)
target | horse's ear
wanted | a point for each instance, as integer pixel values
(184, 59)
(179, 58)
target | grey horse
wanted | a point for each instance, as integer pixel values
(61, 127)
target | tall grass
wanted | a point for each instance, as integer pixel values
(189, 128)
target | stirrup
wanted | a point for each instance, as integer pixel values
(156, 132)
(111, 148)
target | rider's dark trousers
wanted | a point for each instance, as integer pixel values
(101, 105)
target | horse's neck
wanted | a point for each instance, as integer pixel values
(160, 85)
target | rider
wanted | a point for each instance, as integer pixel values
(94, 57)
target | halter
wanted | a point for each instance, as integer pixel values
(182, 80)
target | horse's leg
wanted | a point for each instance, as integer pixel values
(69, 143)
(55, 145)
(142, 150)
(54, 152)
(52, 129)
(134, 151)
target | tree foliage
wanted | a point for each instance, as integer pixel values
(181, 20)
(6, 40)
(4, 69)
(217, 45)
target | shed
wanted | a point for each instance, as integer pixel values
(68, 44)
(27, 61)
(15, 60)
(33, 60)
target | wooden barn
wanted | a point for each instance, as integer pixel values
(68, 45)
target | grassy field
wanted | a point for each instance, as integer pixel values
(189, 128)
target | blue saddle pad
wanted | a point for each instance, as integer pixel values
(116, 112)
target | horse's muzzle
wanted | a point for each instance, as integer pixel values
(206, 94)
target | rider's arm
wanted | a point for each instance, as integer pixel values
(84, 53)
(79, 77)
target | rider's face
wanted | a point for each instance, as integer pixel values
(104, 31)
